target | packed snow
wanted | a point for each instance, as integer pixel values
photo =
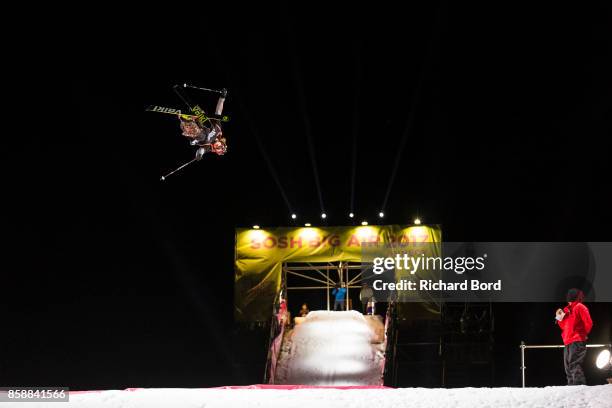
(550, 397)
(333, 349)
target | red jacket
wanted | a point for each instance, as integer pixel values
(576, 323)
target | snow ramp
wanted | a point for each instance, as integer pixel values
(332, 349)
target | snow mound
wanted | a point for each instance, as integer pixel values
(333, 348)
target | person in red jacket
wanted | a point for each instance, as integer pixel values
(576, 324)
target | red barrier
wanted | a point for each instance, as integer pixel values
(300, 387)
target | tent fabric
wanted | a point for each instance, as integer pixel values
(260, 254)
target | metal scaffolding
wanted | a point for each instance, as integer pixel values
(320, 274)
(524, 346)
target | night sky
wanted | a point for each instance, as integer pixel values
(493, 121)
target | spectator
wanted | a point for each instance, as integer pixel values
(304, 310)
(365, 295)
(340, 296)
(575, 323)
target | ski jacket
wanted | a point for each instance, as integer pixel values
(576, 324)
(340, 293)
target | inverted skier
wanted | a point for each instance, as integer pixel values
(202, 130)
(205, 131)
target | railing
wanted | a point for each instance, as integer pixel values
(389, 367)
(270, 369)
(277, 331)
(524, 346)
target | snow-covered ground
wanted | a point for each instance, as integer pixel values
(550, 397)
(333, 348)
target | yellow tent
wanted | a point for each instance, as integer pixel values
(260, 254)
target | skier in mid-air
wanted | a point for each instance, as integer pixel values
(202, 130)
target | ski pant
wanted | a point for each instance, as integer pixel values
(573, 357)
(339, 304)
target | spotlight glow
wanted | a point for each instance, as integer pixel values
(603, 359)
(364, 223)
(366, 233)
(255, 226)
(351, 215)
(309, 233)
(323, 215)
(307, 224)
(293, 216)
(381, 214)
(417, 221)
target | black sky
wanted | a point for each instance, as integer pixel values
(504, 112)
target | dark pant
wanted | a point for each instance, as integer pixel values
(573, 356)
(339, 304)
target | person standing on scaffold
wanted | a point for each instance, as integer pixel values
(340, 296)
(366, 296)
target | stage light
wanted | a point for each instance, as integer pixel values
(364, 223)
(323, 215)
(417, 221)
(366, 234)
(255, 226)
(351, 215)
(604, 360)
(293, 216)
(381, 214)
(309, 233)
(307, 224)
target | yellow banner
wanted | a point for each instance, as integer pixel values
(260, 254)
